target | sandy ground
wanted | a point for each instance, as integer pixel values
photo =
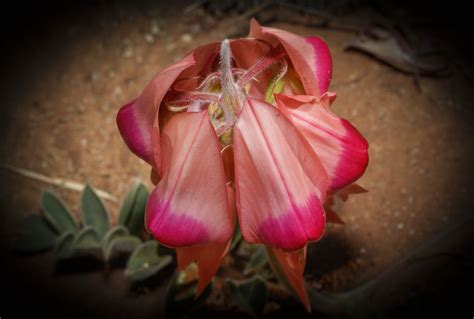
(58, 119)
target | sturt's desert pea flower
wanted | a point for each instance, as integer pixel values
(244, 128)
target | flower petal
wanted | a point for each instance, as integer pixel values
(189, 206)
(289, 268)
(341, 148)
(137, 120)
(208, 258)
(322, 62)
(331, 215)
(310, 56)
(280, 182)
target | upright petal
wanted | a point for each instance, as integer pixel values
(310, 56)
(341, 148)
(280, 182)
(137, 120)
(289, 268)
(189, 206)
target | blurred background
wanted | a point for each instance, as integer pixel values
(403, 74)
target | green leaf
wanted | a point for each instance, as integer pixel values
(132, 212)
(93, 211)
(145, 261)
(121, 245)
(87, 241)
(34, 235)
(57, 213)
(64, 246)
(127, 204)
(257, 262)
(117, 231)
(249, 295)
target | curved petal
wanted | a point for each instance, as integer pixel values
(137, 120)
(341, 148)
(280, 182)
(322, 62)
(289, 268)
(189, 206)
(310, 56)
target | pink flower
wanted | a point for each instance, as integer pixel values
(243, 126)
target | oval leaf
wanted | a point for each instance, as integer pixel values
(121, 245)
(117, 231)
(87, 241)
(93, 211)
(64, 246)
(249, 295)
(127, 204)
(57, 213)
(145, 261)
(136, 221)
(34, 235)
(132, 213)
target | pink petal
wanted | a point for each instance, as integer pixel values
(322, 62)
(310, 56)
(189, 206)
(137, 120)
(341, 148)
(208, 257)
(289, 268)
(280, 182)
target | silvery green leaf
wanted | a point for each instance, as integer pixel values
(64, 246)
(87, 242)
(121, 245)
(132, 212)
(93, 212)
(145, 261)
(127, 204)
(57, 213)
(117, 231)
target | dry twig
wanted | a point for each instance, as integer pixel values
(60, 182)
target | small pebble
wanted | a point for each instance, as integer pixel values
(171, 47)
(155, 28)
(149, 38)
(128, 53)
(186, 38)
